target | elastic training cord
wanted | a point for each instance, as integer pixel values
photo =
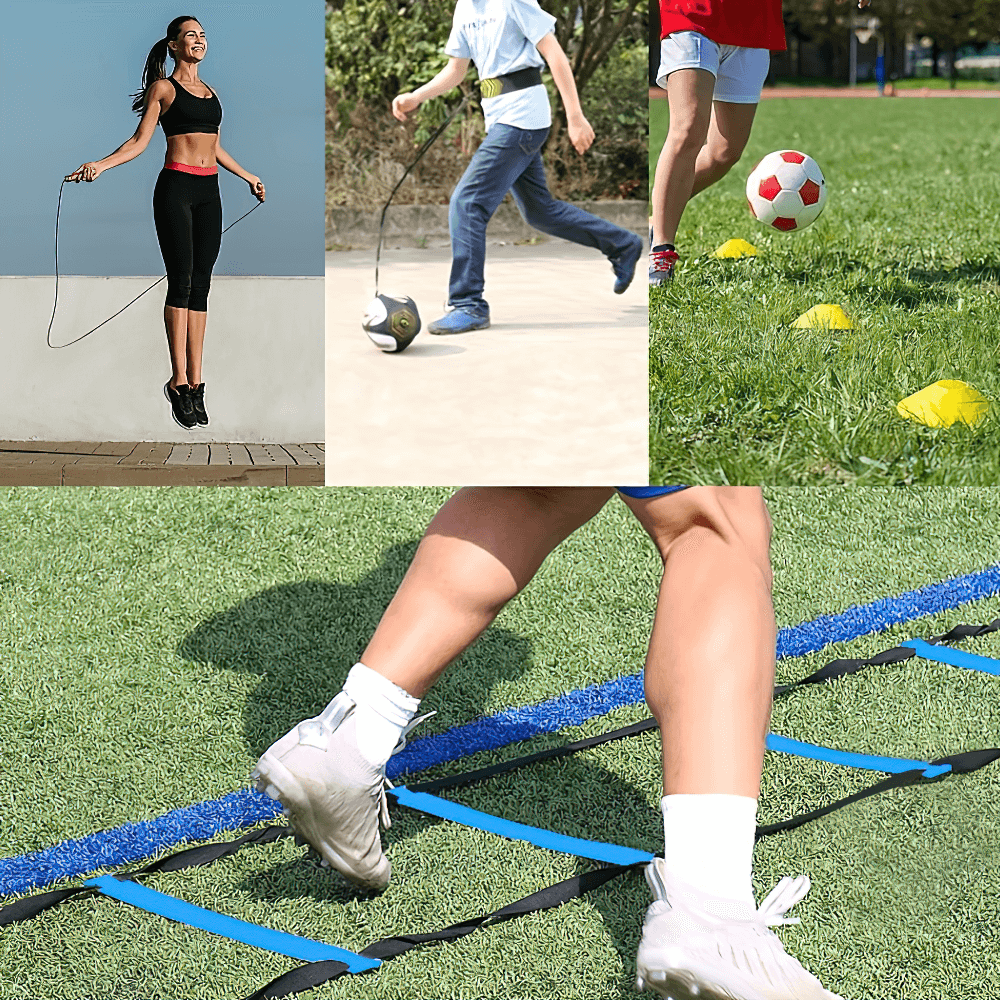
(617, 860)
(55, 301)
(406, 173)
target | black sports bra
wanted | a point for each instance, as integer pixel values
(188, 113)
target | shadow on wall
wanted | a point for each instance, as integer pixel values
(263, 361)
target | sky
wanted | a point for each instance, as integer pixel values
(67, 68)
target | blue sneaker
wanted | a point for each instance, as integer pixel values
(459, 321)
(624, 264)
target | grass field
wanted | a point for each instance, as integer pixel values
(158, 640)
(907, 245)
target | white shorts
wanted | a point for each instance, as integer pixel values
(739, 72)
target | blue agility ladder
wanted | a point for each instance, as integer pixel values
(327, 962)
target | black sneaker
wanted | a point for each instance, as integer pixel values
(181, 407)
(197, 397)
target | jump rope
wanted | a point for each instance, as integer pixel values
(434, 136)
(55, 301)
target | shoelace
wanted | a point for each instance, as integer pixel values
(663, 260)
(383, 804)
(781, 899)
(770, 913)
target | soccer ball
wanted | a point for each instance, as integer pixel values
(786, 190)
(391, 321)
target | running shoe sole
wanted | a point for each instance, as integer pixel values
(683, 984)
(275, 781)
(438, 332)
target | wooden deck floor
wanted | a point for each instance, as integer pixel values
(151, 463)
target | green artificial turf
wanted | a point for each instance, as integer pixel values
(157, 640)
(907, 245)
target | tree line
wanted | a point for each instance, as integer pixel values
(950, 25)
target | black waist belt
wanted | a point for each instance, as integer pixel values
(520, 79)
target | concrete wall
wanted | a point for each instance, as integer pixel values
(427, 225)
(263, 363)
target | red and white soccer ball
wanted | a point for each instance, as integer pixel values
(786, 190)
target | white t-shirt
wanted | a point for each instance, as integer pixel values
(500, 36)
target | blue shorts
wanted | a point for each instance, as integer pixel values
(644, 492)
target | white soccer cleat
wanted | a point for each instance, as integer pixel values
(697, 948)
(331, 795)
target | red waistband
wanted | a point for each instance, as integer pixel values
(185, 168)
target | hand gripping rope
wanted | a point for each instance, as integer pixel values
(55, 300)
(327, 962)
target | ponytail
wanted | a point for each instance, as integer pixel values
(156, 62)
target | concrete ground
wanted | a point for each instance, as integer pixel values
(555, 392)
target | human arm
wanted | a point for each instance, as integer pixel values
(450, 77)
(131, 148)
(580, 132)
(863, 3)
(226, 161)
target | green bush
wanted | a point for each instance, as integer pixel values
(616, 105)
(377, 50)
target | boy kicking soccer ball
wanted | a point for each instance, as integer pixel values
(708, 681)
(714, 58)
(510, 41)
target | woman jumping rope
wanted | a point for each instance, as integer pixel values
(187, 209)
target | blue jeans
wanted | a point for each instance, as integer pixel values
(509, 159)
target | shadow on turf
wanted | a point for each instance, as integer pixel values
(911, 288)
(983, 271)
(302, 638)
(574, 797)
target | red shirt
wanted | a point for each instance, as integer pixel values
(753, 24)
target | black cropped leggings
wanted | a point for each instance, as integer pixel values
(187, 211)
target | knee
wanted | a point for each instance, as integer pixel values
(686, 136)
(725, 157)
(733, 520)
(539, 214)
(463, 199)
(198, 300)
(178, 291)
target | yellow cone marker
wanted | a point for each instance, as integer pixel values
(733, 249)
(824, 317)
(944, 403)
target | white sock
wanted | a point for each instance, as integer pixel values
(708, 843)
(383, 711)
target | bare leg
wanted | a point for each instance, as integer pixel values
(195, 343)
(709, 679)
(728, 135)
(710, 668)
(176, 322)
(689, 93)
(481, 550)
